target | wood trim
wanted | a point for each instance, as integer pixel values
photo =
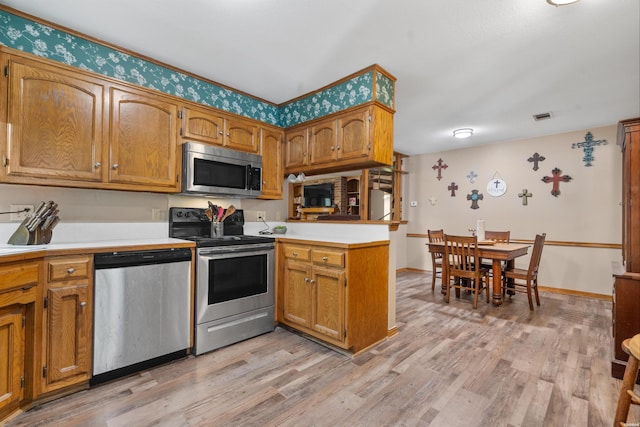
(332, 244)
(550, 242)
(392, 332)
(127, 51)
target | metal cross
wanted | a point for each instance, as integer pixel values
(556, 179)
(472, 177)
(474, 197)
(524, 195)
(441, 165)
(587, 147)
(453, 187)
(535, 159)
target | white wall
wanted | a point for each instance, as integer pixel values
(587, 210)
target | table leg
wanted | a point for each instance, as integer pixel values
(497, 282)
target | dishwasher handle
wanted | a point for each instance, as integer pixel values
(136, 258)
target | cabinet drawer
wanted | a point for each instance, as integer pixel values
(325, 257)
(18, 276)
(297, 252)
(68, 269)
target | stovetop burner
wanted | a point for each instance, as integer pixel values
(207, 242)
(192, 224)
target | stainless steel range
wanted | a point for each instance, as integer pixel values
(234, 297)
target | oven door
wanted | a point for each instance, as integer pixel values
(233, 280)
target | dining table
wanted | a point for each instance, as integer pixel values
(495, 251)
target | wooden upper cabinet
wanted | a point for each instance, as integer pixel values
(55, 120)
(295, 150)
(323, 142)
(272, 172)
(242, 135)
(202, 125)
(143, 135)
(358, 138)
(212, 127)
(354, 140)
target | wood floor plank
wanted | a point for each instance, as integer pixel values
(449, 365)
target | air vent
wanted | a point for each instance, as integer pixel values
(542, 116)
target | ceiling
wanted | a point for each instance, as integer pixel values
(485, 64)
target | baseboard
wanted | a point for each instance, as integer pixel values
(391, 332)
(542, 288)
(575, 293)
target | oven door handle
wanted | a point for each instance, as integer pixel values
(217, 253)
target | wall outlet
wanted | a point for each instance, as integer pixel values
(21, 215)
(413, 203)
(158, 214)
(261, 216)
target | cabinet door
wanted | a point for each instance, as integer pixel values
(329, 296)
(323, 142)
(11, 356)
(56, 123)
(297, 293)
(295, 150)
(272, 174)
(143, 139)
(68, 335)
(242, 135)
(202, 126)
(354, 139)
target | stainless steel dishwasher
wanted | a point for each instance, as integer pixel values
(142, 306)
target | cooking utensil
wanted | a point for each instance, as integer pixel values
(230, 210)
(21, 235)
(209, 214)
(220, 213)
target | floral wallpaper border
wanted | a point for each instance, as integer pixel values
(29, 36)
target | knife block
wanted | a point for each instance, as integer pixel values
(22, 236)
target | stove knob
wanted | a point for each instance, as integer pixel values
(187, 214)
(179, 214)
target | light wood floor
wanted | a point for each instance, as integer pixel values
(449, 365)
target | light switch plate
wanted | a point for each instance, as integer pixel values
(261, 216)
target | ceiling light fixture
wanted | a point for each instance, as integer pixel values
(557, 3)
(462, 133)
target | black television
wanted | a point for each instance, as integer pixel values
(318, 195)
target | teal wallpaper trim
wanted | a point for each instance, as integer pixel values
(347, 94)
(384, 89)
(41, 40)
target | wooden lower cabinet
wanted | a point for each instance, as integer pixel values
(337, 293)
(67, 322)
(18, 293)
(12, 357)
(626, 318)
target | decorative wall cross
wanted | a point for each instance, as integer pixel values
(472, 177)
(535, 159)
(556, 178)
(587, 147)
(441, 165)
(524, 195)
(474, 196)
(453, 187)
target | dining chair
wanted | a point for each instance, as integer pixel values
(498, 237)
(436, 257)
(462, 267)
(521, 280)
(627, 397)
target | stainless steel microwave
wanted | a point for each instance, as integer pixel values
(216, 171)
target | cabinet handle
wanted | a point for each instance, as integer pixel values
(325, 259)
(306, 279)
(312, 281)
(97, 165)
(26, 288)
(221, 133)
(228, 133)
(115, 166)
(82, 305)
(332, 148)
(294, 253)
(264, 182)
(70, 270)
(337, 147)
